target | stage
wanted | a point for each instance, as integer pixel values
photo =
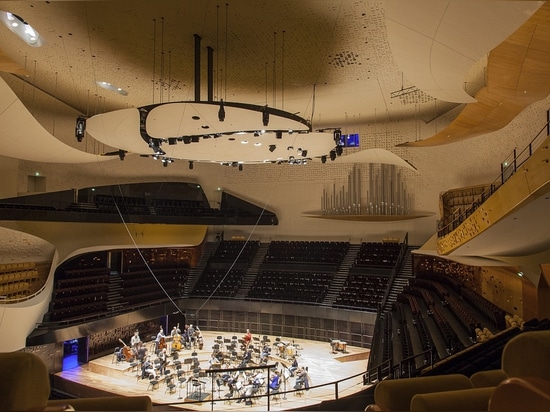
(325, 363)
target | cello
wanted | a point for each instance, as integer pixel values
(127, 351)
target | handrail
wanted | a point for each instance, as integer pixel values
(268, 393)
(508, 167)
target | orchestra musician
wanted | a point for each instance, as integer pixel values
(247, 337)
(191, 335)
(135, 340)
(160, 340)
(163, 358)
(147, 368)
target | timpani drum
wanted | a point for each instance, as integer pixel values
(342, 346)
(281, 347)
(290, 350)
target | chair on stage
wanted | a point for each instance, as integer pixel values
(170, 386)
(274, 393)
(153, 382)
(117, 355)
(188, 362)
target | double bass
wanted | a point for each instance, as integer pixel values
(127, 351)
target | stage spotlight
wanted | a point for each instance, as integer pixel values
(332, 155)
(339, 150)
(240, 167)
(337, 135)
(190, 165)
(165, 163)
(304, 153)
(221, 112)
(278, 134)
(323, 159)
(186, 140)
(265, 116)
(172, 141)
(80, 128)
(272, 147)
(155, 157)
(195, 139)
(121, 154)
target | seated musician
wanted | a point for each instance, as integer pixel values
(302, 380)
(147, 368)
(266, 351)
(135, 340)
(274, 382)
(293, 367)
(141, 352)
(247, 357)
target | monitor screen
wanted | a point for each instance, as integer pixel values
(349, 140)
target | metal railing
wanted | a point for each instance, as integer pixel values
(509, 166)
(312, 394)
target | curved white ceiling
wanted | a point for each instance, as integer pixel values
(22, 137)
(435, 43)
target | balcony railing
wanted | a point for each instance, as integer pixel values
(508, 168)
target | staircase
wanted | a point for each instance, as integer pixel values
(196, 272)
(114, 293)
(252, 272)
(401, 279)
(341, 276)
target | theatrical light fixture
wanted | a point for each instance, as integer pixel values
(121, 154)
(195, 139)
(221, 112)
(240, 167)
(304, 153)
(21, 28)
(190, 165)
(186, 140)
(272, 148)
(339, 150)
(323, 159)
(80, 128)
(337, 135)
(332, 155)
(278, 134)
(172, 141)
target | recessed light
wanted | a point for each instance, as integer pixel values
(21, 28)
(109, 86)
(244, 141)
(258, 144)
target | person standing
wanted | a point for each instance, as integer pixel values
(160, 340)
(135, 341)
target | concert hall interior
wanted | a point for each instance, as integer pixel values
(195, 195)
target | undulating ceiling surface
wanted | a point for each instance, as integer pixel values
(336, 64)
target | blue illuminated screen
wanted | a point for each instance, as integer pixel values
(349, 140)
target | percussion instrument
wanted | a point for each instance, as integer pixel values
(291, 350)
(342, 346)
(281, 347)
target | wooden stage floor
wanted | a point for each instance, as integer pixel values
(324, 366)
